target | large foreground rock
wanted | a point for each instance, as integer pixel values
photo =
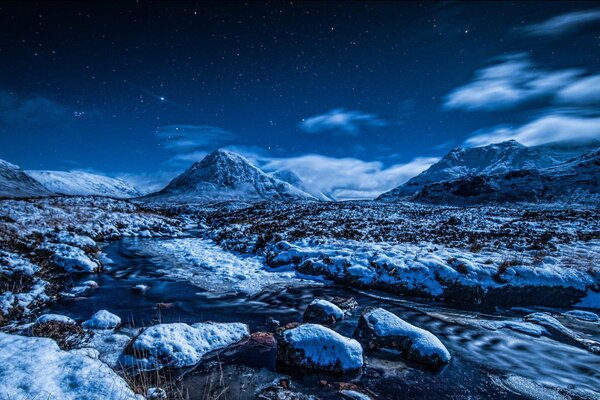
(317, 347)
(35, 368)
(380, 329)
(180, 345)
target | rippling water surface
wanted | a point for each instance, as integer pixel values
(486, 363)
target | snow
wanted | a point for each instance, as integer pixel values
(156, 393)
(386, 324)
(206, 265)
(102, 320)
(324, 348)
(583, 315)
(35, 368)
(42, 319)
(179, 345)
(353, 395)
(78, 183)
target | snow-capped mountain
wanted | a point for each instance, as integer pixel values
(496, 158)
(290, 177)
(574, 181)
(224, 175)
(14, 182)
(77, 183)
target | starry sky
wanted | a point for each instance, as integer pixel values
(354, 97)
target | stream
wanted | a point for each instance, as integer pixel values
(195, 280)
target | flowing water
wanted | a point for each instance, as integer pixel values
(487, 361)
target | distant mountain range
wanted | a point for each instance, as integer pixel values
(224, 175)
(497, 173)
(77, 183)
(506, 172)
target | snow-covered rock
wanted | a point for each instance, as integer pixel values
(78, 183)
(42, 319)
(179, 345)
(14, 182)
(223, 175)
(72, 259)
(156, 393)
(35, 368)
(322, 312)
(381, 329)
(317, 347)
(102, 320)
(353, 395)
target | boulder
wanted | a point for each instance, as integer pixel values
(317, 347)
(322, 312)
(180, 345)
(380, 329)
(102, 320)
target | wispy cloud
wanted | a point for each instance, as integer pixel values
(349, 178)
(30, 110)
(585, 91)
(341, 121)
(545, 129)
(564, 23)
(190, 143)
(513, 81)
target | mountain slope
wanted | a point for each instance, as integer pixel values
(574, 181)
(487, 160)
(223, 175)
(14, 182)
(290, 177)
(76, 183)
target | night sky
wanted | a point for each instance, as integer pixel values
(353, 97)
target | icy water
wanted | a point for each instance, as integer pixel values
(486, 363)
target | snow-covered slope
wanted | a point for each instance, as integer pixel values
(290, 177)
(574, 181)
(493, 159)
(77, 183)
(223, 175)
(14, 182)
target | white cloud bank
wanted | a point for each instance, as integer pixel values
(349, 178)
(546, 129)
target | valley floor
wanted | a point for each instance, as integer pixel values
(476, 258)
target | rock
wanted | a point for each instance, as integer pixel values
(380, 329)
(273, 322)
(586, 316)
(140, 288)
(281, 390)
(102, 320)
(317, 347)
(322, 312)
(42, 319)
(156, 393)
(346, 304)
(180, 345)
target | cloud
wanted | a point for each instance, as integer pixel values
(341, 121)
(31, 111)
(545, 129)
(513, 81)
(565, 23)
(190, 143)
(582, 92)
(349, 178)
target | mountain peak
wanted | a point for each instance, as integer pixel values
(225, 175)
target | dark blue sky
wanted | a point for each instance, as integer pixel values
(374, 91)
